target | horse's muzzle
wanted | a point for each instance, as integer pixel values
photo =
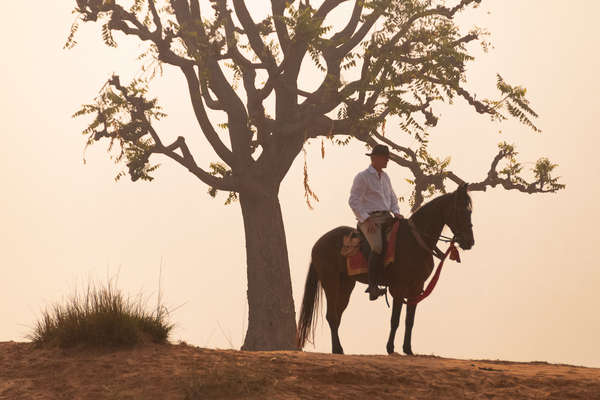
(465, 243)
(467, 246)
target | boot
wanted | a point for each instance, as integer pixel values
(375, 266)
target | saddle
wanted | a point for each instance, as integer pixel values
(356, 248)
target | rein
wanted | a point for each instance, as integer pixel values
(419, 238)
(452, 251)
(446, 239)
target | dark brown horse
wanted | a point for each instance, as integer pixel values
(405, 277)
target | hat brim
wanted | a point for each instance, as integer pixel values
(371, 154)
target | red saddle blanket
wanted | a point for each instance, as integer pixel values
(357, 263)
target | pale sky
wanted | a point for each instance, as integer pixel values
(526, 291)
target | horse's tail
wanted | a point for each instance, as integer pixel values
(311, 301)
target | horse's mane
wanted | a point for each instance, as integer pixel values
(436, 203)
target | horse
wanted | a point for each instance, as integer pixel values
(405, 277)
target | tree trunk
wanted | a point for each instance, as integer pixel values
(271, 315)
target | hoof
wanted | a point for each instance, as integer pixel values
(408, 351)
(390, 349)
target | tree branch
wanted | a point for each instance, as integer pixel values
(493, 179)
(227, 98)
(118, 21)
(479, 106)
(201, 116)
(208, 99)
(253, 34)
(350, 27)
(278, 8)
(232, 50)
(187, 160)
(132, 133)
(155, 16)
(326, 7)
(355, 39)
(195, 9)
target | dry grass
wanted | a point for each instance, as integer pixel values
(101, 316)
(225, 382)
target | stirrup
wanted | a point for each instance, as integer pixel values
(375, 292)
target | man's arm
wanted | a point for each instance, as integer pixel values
(356, 193)
(395, 209)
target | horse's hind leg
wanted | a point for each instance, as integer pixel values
(410, 320)
(395, 321)
(338, 294)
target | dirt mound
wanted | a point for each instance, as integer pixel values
(185, 372)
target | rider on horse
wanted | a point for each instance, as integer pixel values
(372, 200)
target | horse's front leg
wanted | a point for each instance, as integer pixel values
(395, 321)
(410, 321)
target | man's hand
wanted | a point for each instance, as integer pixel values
(398, 216)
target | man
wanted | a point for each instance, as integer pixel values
(373, 201)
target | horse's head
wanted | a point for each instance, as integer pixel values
(458, 217)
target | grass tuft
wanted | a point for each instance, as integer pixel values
(102, 316)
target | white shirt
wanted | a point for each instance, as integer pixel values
(372, 192)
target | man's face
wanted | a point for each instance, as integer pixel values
(379, 161)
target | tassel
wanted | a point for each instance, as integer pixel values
(454, 255)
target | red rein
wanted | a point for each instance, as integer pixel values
(453, 252)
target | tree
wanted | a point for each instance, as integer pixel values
(392, 60)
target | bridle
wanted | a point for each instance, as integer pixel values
(457, 233)
(441, 238)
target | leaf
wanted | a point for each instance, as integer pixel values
(107, 35)
(308, 193)
(71, 42)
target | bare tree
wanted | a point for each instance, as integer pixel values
(393, 59)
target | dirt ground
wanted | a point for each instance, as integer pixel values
(186, 372)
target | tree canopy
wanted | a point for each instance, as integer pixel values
(392, 58)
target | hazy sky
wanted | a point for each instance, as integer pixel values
(527, 290)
